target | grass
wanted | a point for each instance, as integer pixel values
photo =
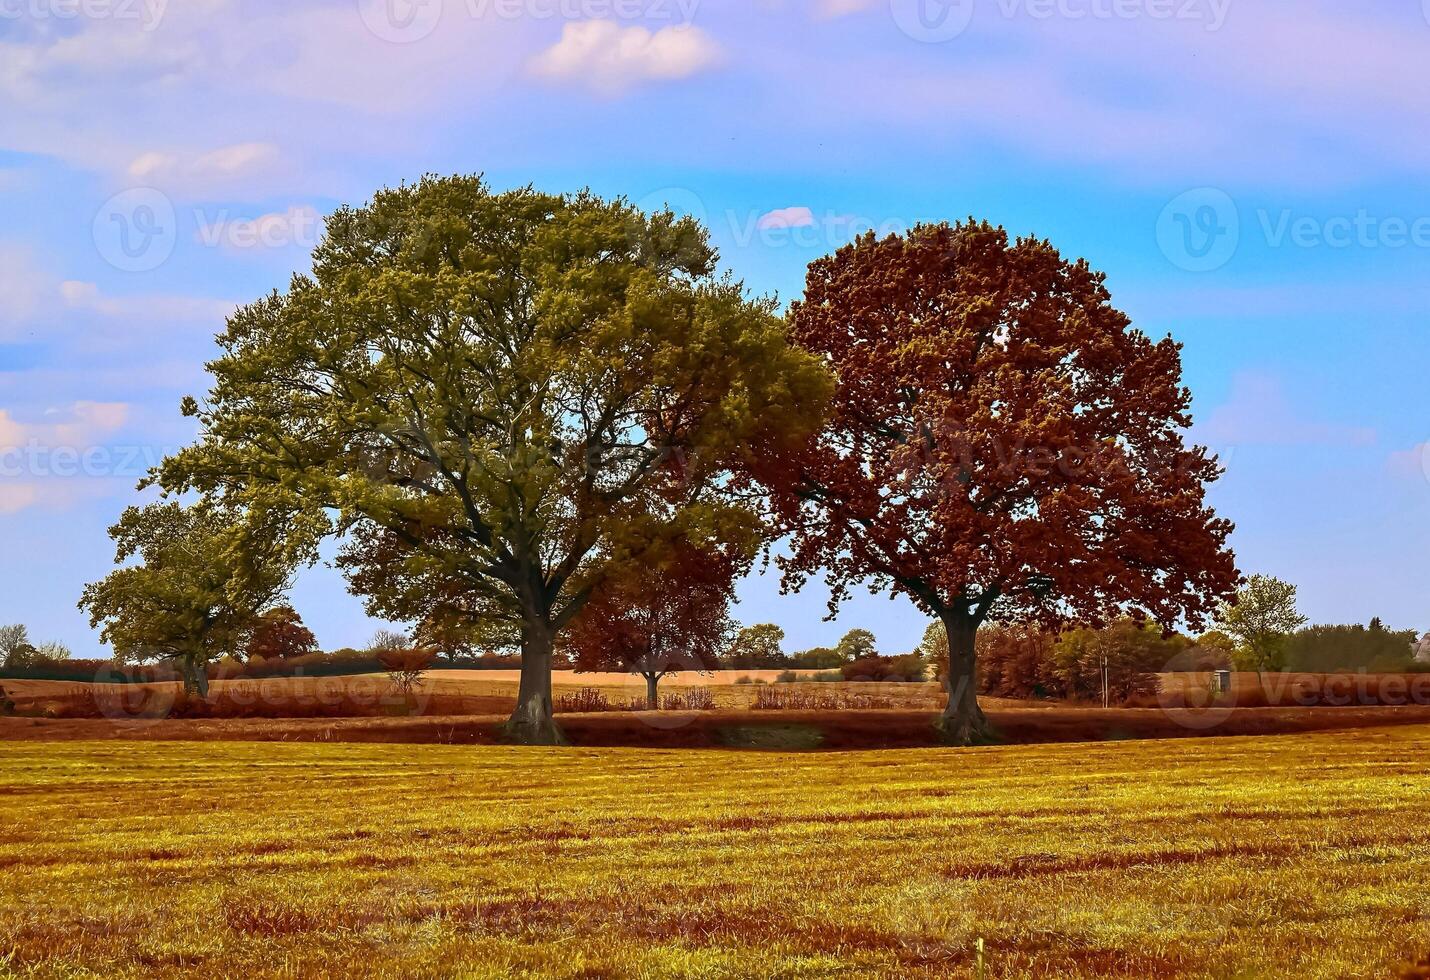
(1290, 855)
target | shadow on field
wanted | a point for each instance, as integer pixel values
(781, 731)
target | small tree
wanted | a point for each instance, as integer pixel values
(205, 574)
(280, 633)
(386, 640)
(406, 667)
(15, 646)
(669, 616)
(856, 645)
(1262, 619)
(756, 648)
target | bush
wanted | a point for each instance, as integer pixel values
(787, 699)
(909, 667)
(405, 667)
(1016, 662)
(1326, 649)
(695, 699)
(587, 699)
(786, 677)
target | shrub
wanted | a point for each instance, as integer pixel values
(788, 699)
(587, 699)
(406, 667)
(786, 677)
(695, 699)
(1324, 649)
(909, 667)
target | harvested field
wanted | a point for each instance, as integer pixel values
(1294, 856)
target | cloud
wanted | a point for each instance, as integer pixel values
(300, 226)
(60, 458)
(832, 9)
(153, 307)
(205, 173)
(1260, 413)
(610, 59)
(794, 217)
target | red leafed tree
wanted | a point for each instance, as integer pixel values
(659, 619)
(1002, 445)
(280, 633)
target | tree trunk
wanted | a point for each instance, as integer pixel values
(533, 722)
(963, 721)
(652, 694)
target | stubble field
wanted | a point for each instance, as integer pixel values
(1277, 856)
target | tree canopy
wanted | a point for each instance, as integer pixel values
(660, 619)
(205, 574)
(504, 399)
(1262, 619)
(1001, 443)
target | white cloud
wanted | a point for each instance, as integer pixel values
(61, 458)
(205, 173)
(300, 226)
(610, 58)
(151, 307)
(794, 217)
(830, 9)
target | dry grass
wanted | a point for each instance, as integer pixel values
(443, 693)
(1281, 856)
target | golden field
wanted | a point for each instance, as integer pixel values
(1298, 856)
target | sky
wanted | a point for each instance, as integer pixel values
(1250, 176)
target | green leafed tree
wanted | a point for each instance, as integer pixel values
(856, 645)
(503, 398)
(1262, 620)
(756, 647)
(204, 573)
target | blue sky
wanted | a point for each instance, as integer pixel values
(1250, 177)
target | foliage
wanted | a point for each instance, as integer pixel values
(15, 647)
(385, 639)
(406, 668)
(661, 618)
(1002, 444)
(280, 634)
(908, 667)
(1132, 652)
(1016, 661)
(504, 398)
(1262, 620)
(205, 573)
(817, 658)
(856, 645)
(756, 648)
(1324, 649)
